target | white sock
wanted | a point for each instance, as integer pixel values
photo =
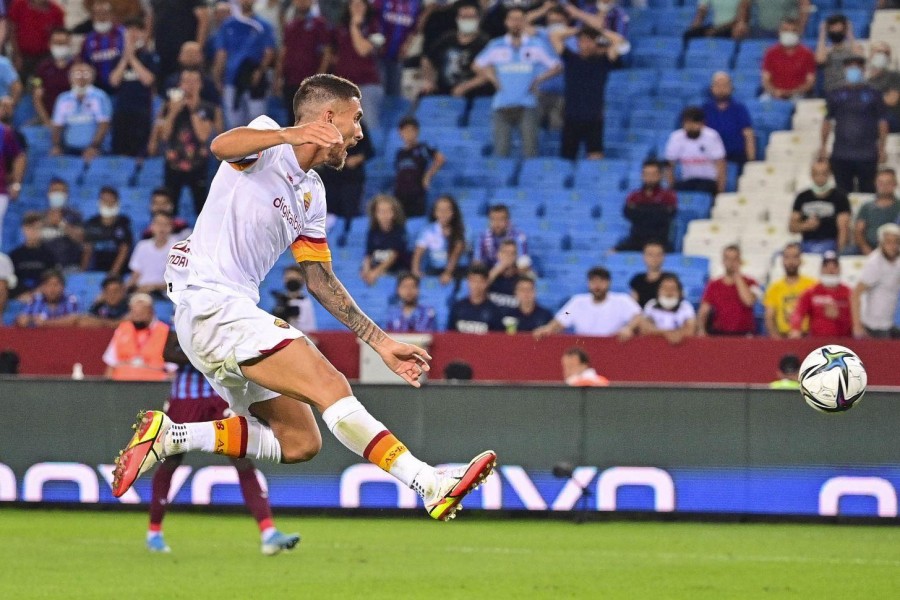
(266, 533)
(153, 534)
(261, 442)
(186, 437)
(355, 428)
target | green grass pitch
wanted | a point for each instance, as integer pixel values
(74, 555)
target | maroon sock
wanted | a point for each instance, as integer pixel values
(162, 480)
(254, 497)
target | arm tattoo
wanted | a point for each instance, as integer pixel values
(325, 287)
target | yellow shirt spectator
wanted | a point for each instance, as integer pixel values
(780, 300)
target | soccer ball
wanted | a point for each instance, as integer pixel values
(832, 379)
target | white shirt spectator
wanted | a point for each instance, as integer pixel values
(879, 302)
(585, 316)
(435, 243)
(669, 320)
(697, 157)
(149, 261)
(8, 272)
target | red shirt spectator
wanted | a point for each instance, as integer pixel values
(348, 63)
(34, 21)
(828, 309)
(730, 316)
(307, 40)
(788, 69)
(54, 76)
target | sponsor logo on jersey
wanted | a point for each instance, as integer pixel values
(281, 323)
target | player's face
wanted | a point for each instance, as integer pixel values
(891, 246)
(346, 116)
(408, 291)
(498, 221)
(790, 258)
(653, 257)
(599, 287)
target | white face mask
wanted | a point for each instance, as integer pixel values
(555, 27)
(788, 39)
(79, 89)
(102, 26)
(821, 190)
(830, 281)
(61, 52)
(880, 60)
(467, 26)
(668, 302)
(57, 199)
(108, 212)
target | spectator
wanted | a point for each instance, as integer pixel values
(609, 16)
(81, 116)
(782, 295)
(306, 51)
(107, 236)
(161, 202)
(416, 164)
(8, 281)
(551, 92)
(32, 21)
(408, 315)
(835, 45)
(447, 64)
(669, 315)
(651, 211)
(398, 21)
(386, 242)
(110, 307)
(729, 19)
(826, 305)
(860, 130)
(598, 313)
(788, 368)
(32, 259)
(874, 299)
(135, 352)
(186, 125)
(51, 76)
(476, 313)
(440, 246)
(527, 315)
(68, 249)
(699, 152)
(516, 64)
(148, 261)
(357, 43)
(12, 170)
(104, 45)
(458, 370)
(577, 370)
(505, 274)
(731, 120)
(176, 23)
(885, 208)
(768, 14)
(7, 115)
(132, 79)
(821, 213)
(9, 81)
(499, 230)
(59, 213)
(887, 81)
(191, 57)
(346, 187)
(50, 306)
(245, 49)
(294, 304)
(645, 286)
(788, 68)
(585, 73)
(727, 304)
(437, 20)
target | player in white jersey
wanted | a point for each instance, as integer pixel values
(264, 199)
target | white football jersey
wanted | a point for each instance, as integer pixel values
(256, 209)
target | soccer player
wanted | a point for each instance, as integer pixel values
(264, 199)
(193, 399)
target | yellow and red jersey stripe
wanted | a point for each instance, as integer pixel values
(311, 249)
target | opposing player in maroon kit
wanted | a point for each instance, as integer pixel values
(192, 399)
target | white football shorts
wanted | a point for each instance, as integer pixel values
(219, 331)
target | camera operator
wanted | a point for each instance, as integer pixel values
(294, 304)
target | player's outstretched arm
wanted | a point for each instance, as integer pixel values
(406, 360)
(242, 142)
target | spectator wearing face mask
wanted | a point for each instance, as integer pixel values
(821, 213)
(826, 305)
(104, 45)
(700, 154)
(788, 68)
(51, 77)
(135, 352)
(59, 213)
(32, 22)
(81, 116)
(107, 236)
(836, 44)
(669, 315)
(886, 80)
(294, 304)
(856, 114)
(447, 64)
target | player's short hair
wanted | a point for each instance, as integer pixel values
(583, 357)
(498, 208)
(789, 364)
(478, 270)
(408, 121)
(108, 189)
(601, 272)
(32, 218)
(404, 275)
(693, 114)
(323, 88)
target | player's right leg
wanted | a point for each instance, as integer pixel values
(257, 501)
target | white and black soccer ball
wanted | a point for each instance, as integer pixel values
(832, 379)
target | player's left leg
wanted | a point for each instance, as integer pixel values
(162, 481)
(257, 501)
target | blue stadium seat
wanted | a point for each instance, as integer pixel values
(694, 205)
(657, 52)
(629, 151)
(151, 172)
(116, 171)
(684, 83)
(747, 83)
(85, 286)
(545, 172)
(69, 168)
(624, 85)
(488, 172)
(653, 120)
(772, 115)
(714, 53)
(676, 19)
(750, 54)
(441, 110)
(601, 173)
(37, 137)
(641, 25)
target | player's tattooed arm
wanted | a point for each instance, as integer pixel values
(325, 287)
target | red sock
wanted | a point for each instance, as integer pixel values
(162, 481)
(254, 497)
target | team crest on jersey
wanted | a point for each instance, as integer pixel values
(282, 323)
(307, 199)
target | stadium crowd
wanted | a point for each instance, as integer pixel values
(497, 170)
